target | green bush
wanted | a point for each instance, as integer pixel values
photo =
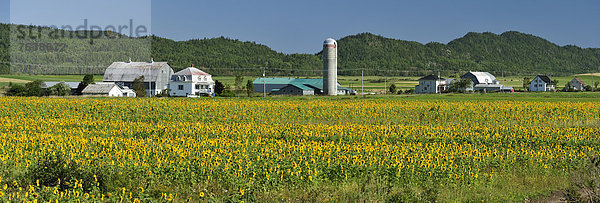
(227, 93)
(54, 170)
(60, 89)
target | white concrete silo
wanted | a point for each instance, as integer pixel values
(330, 67)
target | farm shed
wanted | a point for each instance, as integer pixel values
(107, 90)
(295, 89)
(292, 86)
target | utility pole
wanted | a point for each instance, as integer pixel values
(439, 80)
(385, 85)
(264, 83)
(362, 81)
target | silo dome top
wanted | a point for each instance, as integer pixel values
(330, 41)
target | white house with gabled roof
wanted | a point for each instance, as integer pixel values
(432, 84)
(542, 83)
(191, 82)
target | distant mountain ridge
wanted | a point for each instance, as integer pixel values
(512, 53)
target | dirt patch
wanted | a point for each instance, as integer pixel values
(590, 74)
(558, 196)
(13, 80)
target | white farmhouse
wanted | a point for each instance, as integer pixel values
(191, 82)
(107, 89)
(542, 83)
(431, 84)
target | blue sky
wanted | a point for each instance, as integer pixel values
(301, 26)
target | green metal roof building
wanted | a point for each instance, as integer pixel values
(292, 86)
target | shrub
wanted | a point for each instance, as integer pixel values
(60, 89)
(16, 90)
(586, 183)
(34, 89)
(227, 93)
(53, 170)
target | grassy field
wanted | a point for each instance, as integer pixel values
(401, 148)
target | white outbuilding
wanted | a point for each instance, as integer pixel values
(107, 89)
(191, 82)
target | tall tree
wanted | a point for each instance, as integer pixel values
(219, 87)
(87, 79)
(238, 84)
(460, 85)
(393, 89)
(526, 82)
(249, 88)
(139, 86)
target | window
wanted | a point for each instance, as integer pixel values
(197, 86)
(180, 87)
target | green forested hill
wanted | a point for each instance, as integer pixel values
(230, 57)
(511, 53)
(4, 41)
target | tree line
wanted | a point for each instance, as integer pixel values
(511, 53)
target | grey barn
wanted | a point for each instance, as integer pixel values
(157, 75)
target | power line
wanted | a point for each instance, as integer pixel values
(378, 72)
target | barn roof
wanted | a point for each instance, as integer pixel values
(300, 86)
(481, 77)
(129, 71)
(311, 83)
(579, 80)
(546, 79)
(191, 71)
(99, 88)
(273, 81)
(72, 85)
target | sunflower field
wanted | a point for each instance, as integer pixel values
(153, 149)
